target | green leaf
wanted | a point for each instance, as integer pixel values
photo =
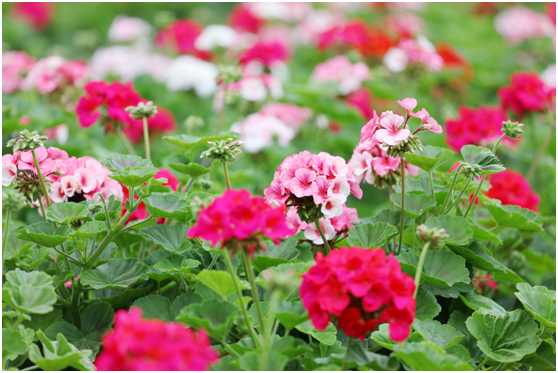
(12, 344)
(358, 356)
(89, 229)
(67, 212)
(371, 234)
(134, 178)
(483, 158)
(290, 347)
(194, 168)
(167, 205)
(291, 314)
(429, 158)
(484, 235)
(44, 234)
(43, 321)
(191, 143)
(456, 227)
(540, 302)
(427, 306)
(176, 264)
(270, 361)
(115, 274)
(476, 302)
(219, 281)
(96, 320)
(387, 216)
(32, 258)
(327, 337)
(441, 335)
(121, 162)
(457, 320)
(459, 351)
(381, 337)
(122, 298)
(415, 204)
(171, 237)
(426, 357)
(441, 268)
(213, 315)
(286, 250)
(480, 258)
(29, 292)
(155, 307)
(505, 338)
(543, 359)
(419, 185)
(513, 216)
(59, 355)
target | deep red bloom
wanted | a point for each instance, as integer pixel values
(138, 344)
(550, 9)
(358, 289)
(266, 53)
(37, 15)
(355, 33)
(180, 37)
(481, 285)
(511, 188)
(526, 93)
(242, 19)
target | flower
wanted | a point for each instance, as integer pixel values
(479, 126)
(395, 59)
(140, 344)
(526, 93)
(180, 37)
(481, 285)
(511, 188)
(239, 222)
(266, 53)
(358, 289)
(341, 71)
(356, 34)
(259, 130)
(390, 133)
(291, 114)
(408, 104)
(127, 29)
(187, 72)
(216, 36)
(361, 100)
(519, 23)
(54, 72)
(36, 14)
(421, 51)
(9, 169)
(243, 19)
(15, 65)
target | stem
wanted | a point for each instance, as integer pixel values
(227, 180)
(452, 205)
(42, 209)
(18, 320)
(131, 225)
(212, 262)
(106, 211)
(402, 204)
(255, 296)
(5, 238)
(419, 267)
(32, 367)
(188, 186)
(255, 339)
(347, 353)
(125, 141)
(390, 192)
(229, 349)
(413, 236)
(448, 196)
(74, 305)
(43, 185)
(146, 139)
(326, 244)
(432, 187)
(540, 153)
(222, 112)
(479, 367)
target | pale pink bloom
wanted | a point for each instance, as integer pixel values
(69, 185)
(15, 65)
(383, 165)
(390, 133)
(343, 222)
(360, 163)
(549, 76)
(214, 36)
(301, 185)
(519, 23)
(315, 23)
(408, 104)
(55, 153)
(27, 163)
(293, 220)
(422, 115)
(253, 89)
(405, 23)
(428, 123)
(287, 12)
(412, 170)
(126, 29)
(86, 180)
(291, 114)
(421, 50)
(57, 193)
(335, 166)
(55, 72)
(276, 193)
(312, 233)
(259, 131)
(60, 132)
(320, 189)
(331, 208)
(395, 59)
(339, 189)
(355, 189)
(340, 70)
(9, 170)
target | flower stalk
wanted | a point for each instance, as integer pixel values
(255, 297)
(419, 266)
(349, 343)
(319, 227)
(146, 139)
(402, 204)
(43, 185)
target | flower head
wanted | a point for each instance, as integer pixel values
(527, 92)
(180, 37)
(511, 188)
(390, 133)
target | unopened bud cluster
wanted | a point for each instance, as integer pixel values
(410, 145)
(391, 178)
(27, 141)
(223, 150)
(435, 236)
(229, 73)
(205, 184)
(142, 110)
(12, 201)
(283, 282)
(471, 171)
(512, 129)
(30, 187)
(193, 123)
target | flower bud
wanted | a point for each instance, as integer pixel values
(229, 74)
(471, 171)
(435, 236)
(27, 141)
(410, 145)
(205, 184)
(512, 129)
(193, 123)
(224, 150)
(142, 110)
(12, 201)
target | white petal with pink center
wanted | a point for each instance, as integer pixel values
(57, 193)
(9, 173)
(332, 208)
(312, 233)
(86, 180)
(69, 185)
(339, 189)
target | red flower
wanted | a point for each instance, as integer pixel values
(511, 188)
(354, 33)
(37, 15)
(138, 344)
(526, 93)
(242, 19)
(481, 285)
(265, 52)
(358, 289)
(180, 37)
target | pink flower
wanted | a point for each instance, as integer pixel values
(408, 104)
(313, 234)
(9, 170)
(361, 100)
(340, 70)
(360, 163)
(519, 23)
(267, 53)
(390, 133)
(243, 19)
(332, 208)
(422, 51)
(339, 189)
(36, 14)
(320, 189)
(68, 284)
(290, 114)
(526, 93)
(180, 37)
(27, 163)
(125, 29)
(383, 165)
(54, 72)
(15, 65)
(512, 188)
(301, 184)
(259, 131)
(138, 344)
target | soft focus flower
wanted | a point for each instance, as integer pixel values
(356, 34)
(127, 29)
(315, 23)
(15, 65)
(37, 14)
(9, 169)
(526, 93)
(291, 114)
(548, 76)
(60, 133)
(395, 60)
(357, 289)
(216, 36)
(405, 24)
(68, 284)
(421, 51)
(139, 344)
(361, 99)
(267, 53)
(518, 23)
(255, 88)
(479, 126)
(511, 188)
(243, 19)
(187, 72)
(259, 130)
(55, 72)
(239, 222)
(390, 133)
(180, 37)
(340, 70)
(481, 285)
(287, 12)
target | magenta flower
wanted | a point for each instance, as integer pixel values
(408, 104)
(301, 185)
(390, 133)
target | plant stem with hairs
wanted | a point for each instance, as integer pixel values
(41, 179)
(226, 170)
(255, 297)
(146, 139)
(419, 266)
(125, 141)
(402, 204)
(319, 227)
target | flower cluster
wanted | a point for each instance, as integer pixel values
(243, 19)
(334, 228)
(240, 222)
(36, 14)
(266, 53)
(519, 23)
(138, 344)
(15, 66)
(348, 76)
(317, 185)
(480, 282)
(511, 188)
(117, 97)
(358, 289)
(275, 119)
(180, 37)
(480, 126)
(355, 34)
(54, 73)
(526, 93)
(421, 51)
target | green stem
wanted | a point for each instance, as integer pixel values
(432, 188)
(6, 229)
(18, 320)
(419, 266)
(228, 348)
(255, 339)
(349, 342)
(42, 209)
(452, 205)
(540, 153)
(402, 204)
(32, 367)
(140, 222)
(74, 310)
(255, 297)
(146, 139)
(413, 236)
(106, 211)
(188, 186)
(319, 227)
(125, 141)
(222, 112)
(43, 185)
(479, 367)
(448, 196)
(227, 180)
(215, 256)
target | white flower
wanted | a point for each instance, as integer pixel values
(339, 189)
(395, 60)
(549, 76)
(216, 36)
(187, 72)
(126, 29)
(332, 208)
(311, 233)
(9, 173)
(253, 89)
(258, 131)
